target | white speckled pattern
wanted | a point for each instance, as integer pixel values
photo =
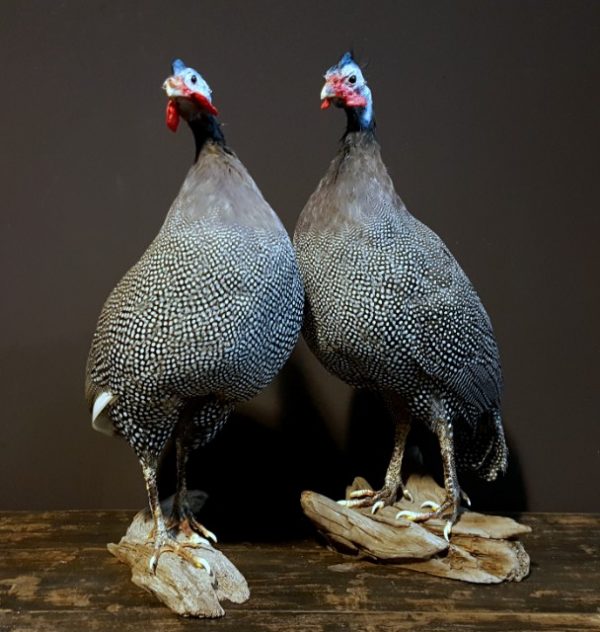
(208, 315)
(389, 308)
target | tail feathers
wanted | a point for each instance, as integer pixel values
(482, 448)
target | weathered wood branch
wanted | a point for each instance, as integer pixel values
(482, 548)
(186, 589)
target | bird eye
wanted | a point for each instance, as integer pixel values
(194, 78)
(352, 78)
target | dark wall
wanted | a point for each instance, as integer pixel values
(488, 118)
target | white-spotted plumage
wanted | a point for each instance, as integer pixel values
(209, 314)
(388, 308)
(205, 319)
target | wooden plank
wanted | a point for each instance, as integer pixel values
(62, 528)
(132, 620)
(56, 574)
(49, 580)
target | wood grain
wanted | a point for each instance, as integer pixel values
(192, 582)
(483, 548)
(56, 574)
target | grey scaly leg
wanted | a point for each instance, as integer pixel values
(443, 430)
(163, 542)
(393, 481)
(183, 517)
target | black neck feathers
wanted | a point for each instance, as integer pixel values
(206, 127)
(356, 121)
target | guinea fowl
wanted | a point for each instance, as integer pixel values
(388, 308)
(205, 319)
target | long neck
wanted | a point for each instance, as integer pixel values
(206, 127)
(360, 176)
(360, 119)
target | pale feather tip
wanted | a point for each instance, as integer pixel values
(100, 403)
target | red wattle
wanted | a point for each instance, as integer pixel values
(172, 116)
(325, 104)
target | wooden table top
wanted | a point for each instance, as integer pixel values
(56, 574)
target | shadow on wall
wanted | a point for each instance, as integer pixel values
(254, 474)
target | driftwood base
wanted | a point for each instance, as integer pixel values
(186, 589)
(482, 549)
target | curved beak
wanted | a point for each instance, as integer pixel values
(174, 87)
(327, 93)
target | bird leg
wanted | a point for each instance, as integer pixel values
(451, 502)
(159, 536)
(183, 518)
(393, 480)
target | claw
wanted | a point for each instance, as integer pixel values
(430, 504)
(408, 515)
(408, 495)
(210, 535)
(203, 563)
(464, 496)
(344, 503)
(447, 530)
(377, 506)
(153, 563)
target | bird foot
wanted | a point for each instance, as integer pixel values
(374, 499)
(164, 543)
(196, 531)
(183, 521)
(436, 511)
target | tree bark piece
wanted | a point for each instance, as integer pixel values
(483, 549)
(182, 587)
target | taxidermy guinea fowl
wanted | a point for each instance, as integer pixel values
(388, 308)
(206, 318)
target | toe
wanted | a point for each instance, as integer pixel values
(362, 493)
(407, 515)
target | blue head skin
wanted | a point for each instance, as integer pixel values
(189, 95)
(346, 87)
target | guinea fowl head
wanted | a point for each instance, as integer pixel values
(189, 95)
(346, 87)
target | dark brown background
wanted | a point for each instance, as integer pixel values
(488, 117)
